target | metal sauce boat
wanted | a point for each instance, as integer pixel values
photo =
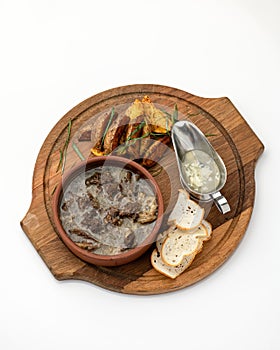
(187, 137)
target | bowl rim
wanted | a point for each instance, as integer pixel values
(98, 259)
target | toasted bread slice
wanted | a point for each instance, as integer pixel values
(162, 237)
(135, 110)
(115, 132)
(178, 245)
(159, 243)
(200, 232)
(174, 271)
(99, 128)
(155, 117)
(203, 231)
(186, 215)
(167, 270)
(208, 228)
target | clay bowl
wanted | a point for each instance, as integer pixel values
(90, 257)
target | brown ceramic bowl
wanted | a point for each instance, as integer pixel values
(128, 255)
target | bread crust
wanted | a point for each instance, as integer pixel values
(179, 259)
(183, 228)
(200, 233)
(208, 228)
(163, 272)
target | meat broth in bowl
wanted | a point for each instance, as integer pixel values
(108, 210)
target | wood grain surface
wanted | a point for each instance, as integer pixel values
(233, 139)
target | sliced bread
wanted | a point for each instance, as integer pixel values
(186, 214)
(178, 245)
(160, 240)
(203, 231)
(208, 228)
(167, 270)
(163, 235)
(199, 232)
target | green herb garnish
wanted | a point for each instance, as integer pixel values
(141, 137)
(139, 127)
(130, 142)
(192, 114)
(165, 112)
(60, 160)
(167, 125)
(155, 134)
(66, 146)
(107, 127)
(175, 114)
(173, 118)
(209, 135)
(55, 187)
(63, 152)
(78, 152)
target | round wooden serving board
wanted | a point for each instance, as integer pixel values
(232, 138)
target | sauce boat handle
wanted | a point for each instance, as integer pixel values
(220, 202)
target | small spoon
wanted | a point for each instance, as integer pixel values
(187, 137)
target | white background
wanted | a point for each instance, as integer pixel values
(54, 54)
